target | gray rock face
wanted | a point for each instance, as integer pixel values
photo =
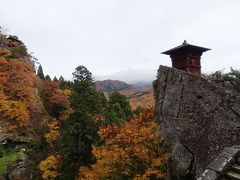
(21, 170)
(198, 119)
(3, 129)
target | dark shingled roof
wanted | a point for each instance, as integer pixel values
(15, 38)
(184, 46)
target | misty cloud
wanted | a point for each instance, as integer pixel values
(127, 36)
(131, 76)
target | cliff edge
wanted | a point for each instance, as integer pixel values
(198, 119)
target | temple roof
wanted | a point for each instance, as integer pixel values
(15, 38)
(185, 46)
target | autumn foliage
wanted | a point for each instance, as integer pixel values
(60, 116)
(17, 88)
(131, 151)
(53, 133)
(17, 79)
(14, 110)
(64, 117)
(49, 167)
(56, 100)
(144, 100)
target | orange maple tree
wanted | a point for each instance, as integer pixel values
(56, 100)
(130, 151)
(17, 88)
(17, 79)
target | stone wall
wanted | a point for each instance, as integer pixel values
(198, 119)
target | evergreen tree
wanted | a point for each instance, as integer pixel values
(111, 117)
(47, 77)
(40, 72)
(66, 84)
(78, 135)
(102, 100)
(84, 96)
(82, 74)
(119, 109)
(61, 78)
(55, 78)
(123, 102)
(79, 132)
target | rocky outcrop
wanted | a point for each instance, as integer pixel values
(3, 129)
(22, 169)
(198, 119)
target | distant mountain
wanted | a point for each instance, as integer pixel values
(142, 84)
(133, 89)
(140, 94)
(110, 86)
(142, 99)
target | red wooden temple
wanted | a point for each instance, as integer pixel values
(187, 57)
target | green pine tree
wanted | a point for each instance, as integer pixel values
(122, 100)
(40, 72)
(47, 77)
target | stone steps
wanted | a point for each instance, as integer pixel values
(236, 168)
(232, 175)
(234, 171)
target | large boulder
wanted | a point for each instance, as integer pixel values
(198, 119)
(22, 169)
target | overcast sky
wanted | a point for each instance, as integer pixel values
(123, 39)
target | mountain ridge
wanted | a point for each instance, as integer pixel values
(140, 94)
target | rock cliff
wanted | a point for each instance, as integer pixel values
(198, 119)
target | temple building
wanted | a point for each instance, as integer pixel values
(13, 41)
(187, 57)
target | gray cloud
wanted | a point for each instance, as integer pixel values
(111, 36)
(131, 76)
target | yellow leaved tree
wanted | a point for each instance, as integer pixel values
(53, 133)
(131, 151)
(49, 167)
(14, 110)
